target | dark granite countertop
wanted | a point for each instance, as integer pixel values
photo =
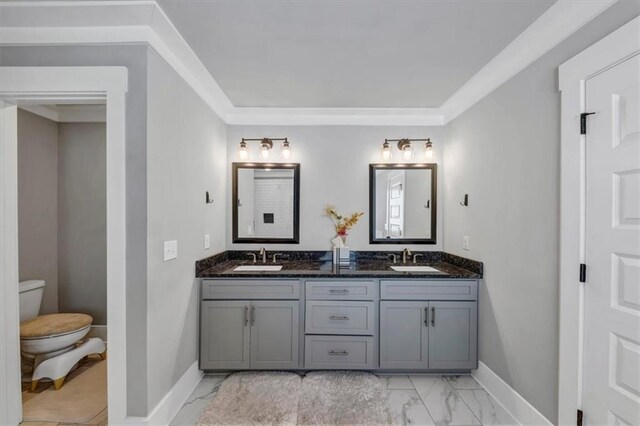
(312, 264)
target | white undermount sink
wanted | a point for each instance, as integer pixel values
(414, 268)
(257, 268)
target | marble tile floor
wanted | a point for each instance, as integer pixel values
(415, 400)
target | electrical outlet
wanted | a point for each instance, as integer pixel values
(170, 250)
(465, 242)
(207, 241)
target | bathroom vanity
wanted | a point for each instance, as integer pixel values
(313, 315)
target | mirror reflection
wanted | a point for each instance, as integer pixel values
(265, 203)
(403, 203)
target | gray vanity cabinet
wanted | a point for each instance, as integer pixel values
(252, 333)
(404, 338)
(274, 334)
(439, 332)
(453, 335)
(225, 334)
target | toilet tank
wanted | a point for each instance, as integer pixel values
(30, 298)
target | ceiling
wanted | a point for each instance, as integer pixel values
(349, 53)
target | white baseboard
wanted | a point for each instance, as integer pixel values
(512, 401)
(173, 401)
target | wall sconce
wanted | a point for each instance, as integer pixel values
(266, 145)
(404, 145)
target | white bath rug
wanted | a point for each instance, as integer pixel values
(343, 398)
(255, 398)
(282, 398)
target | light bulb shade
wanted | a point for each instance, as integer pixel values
(386, 151)
(286, 150)
(404, 145)
(264, 153)
(265, 146)
(242, 151)
(428, 149)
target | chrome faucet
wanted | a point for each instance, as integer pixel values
(405, 253)
(255, 258)
(416, 257)
(263, 253)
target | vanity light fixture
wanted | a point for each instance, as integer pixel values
(266, 145)
(386, 151)
(428, 149)
(404, 145)
(286, 150)
(242, 150)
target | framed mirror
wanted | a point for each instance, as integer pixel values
(266, 203)
(402, 203)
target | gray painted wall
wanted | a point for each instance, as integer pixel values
(134, 57)
(504, 152)
(82, 219)
(38, 204)
(187, 156)
(334, 169)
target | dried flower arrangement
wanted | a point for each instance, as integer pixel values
(342, 223)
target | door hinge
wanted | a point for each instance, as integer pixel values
(579, 420)
(583, 273)
(583, 122)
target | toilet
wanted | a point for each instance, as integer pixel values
(51, 341)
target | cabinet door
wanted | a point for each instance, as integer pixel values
(275, 334)
(453, 335)
(224, 335)
(403, 335)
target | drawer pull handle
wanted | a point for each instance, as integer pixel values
(253, 315)
(433, 317)
(426, 316)
(337, 318)
(338, 291)
(246, 315)
(339, 353)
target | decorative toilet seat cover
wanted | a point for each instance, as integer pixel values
(54, 324)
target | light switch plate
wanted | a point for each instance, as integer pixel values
(170, 250)
(465, 242)
(207, 241)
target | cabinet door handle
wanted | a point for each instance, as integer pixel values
(253, 315)
(246, 315)
(339, 353)
(338, 318)
(433, 317)
(338, 291)
(426, 316)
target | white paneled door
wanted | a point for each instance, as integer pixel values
(611, 385)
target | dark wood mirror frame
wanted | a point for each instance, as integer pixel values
(372, 202)
(296, 202)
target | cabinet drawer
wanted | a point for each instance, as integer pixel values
(429, 290)
(250, 289)
(339, 318)
(339, 352)
(340, 290)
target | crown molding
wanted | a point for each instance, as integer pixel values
(119, 22)
(69, 113)
(336, 116)
(557, 23)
